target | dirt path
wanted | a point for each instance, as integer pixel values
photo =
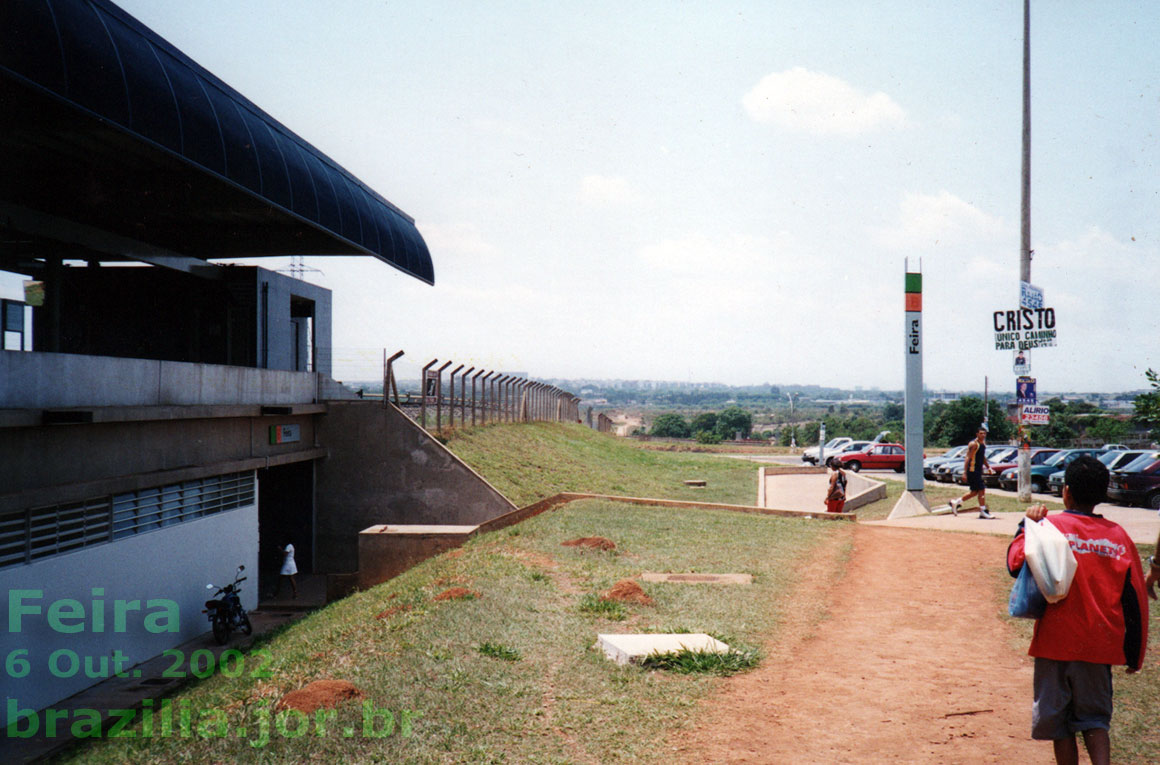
(913, 665)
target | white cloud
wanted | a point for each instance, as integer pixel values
(813, 102)
(606, 190)
(940, 221)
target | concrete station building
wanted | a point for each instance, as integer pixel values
(175, 417)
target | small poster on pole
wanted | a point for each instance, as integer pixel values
(1030, 296)
(1025, 390)
(431, 388)
(1036, 414)
(1022, 363)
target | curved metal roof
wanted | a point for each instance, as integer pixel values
(110, 125)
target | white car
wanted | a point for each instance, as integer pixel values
(832, 446)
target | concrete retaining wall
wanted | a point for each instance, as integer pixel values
(387, 551)
(861, 491)
(384, 469)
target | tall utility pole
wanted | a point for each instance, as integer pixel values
(1024, 483)
(1025, 219)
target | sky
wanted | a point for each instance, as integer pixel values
(723, 191)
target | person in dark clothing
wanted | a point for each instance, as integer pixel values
(973, 472)
(836, 492)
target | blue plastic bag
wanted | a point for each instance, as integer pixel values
(1026, 601)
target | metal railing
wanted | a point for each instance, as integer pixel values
(494, 397)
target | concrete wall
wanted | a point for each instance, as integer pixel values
(385, 552)
(861, 491)
(279, 336)
(58, 456)
(59, 380)
(174, 563)
(385, 469)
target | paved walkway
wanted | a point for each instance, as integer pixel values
(805, 492)
(1142, 525)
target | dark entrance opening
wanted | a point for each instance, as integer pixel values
(285, 514)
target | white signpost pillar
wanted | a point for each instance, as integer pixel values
(913, 501)
(1033, 325)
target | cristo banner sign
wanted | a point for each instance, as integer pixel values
(1024, 328)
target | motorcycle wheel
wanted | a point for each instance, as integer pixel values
(246, 627)
(221, 631)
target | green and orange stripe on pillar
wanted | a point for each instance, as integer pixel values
(914, 292)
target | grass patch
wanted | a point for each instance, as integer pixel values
(607, 609)
(528, 462)
(497, 651)
(687, 661)
(561, 702)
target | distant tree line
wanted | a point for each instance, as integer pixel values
(706, 427)
(944, 423)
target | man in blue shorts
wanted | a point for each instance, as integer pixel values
(1102, 622)
(973, 473)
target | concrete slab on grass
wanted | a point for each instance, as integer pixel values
(699, 578)
(625, 649)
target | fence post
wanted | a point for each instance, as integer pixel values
(423, 394)
(463, 397)
(389, 383)
(484, 395)
(497, 398)
(439, 397)
(477, 374)
(451, 414)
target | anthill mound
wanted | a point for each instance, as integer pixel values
(627, 591)
(321, 694)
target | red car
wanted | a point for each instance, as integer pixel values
(876, 457)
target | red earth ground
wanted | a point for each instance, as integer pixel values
(913, 664)
(590, 543)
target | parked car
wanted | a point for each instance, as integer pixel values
(1137, 482)
(1113, 458)
(1039, 455)
(811, 455)
(853, 446)
(1114, 447)
(1041, 473)
(951, 471)
(931, 463)
(876, 457)
(1000, 454)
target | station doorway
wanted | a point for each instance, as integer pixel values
(285, 515)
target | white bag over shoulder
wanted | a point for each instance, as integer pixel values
(1050, 557)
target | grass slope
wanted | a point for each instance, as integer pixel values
(529, 462)
(550, 696)
(512, 675)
